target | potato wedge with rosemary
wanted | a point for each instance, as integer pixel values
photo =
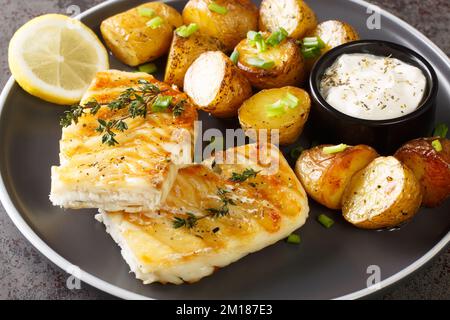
(216, 85)
(227, 20)
(326, 170)
(283, 109)
(183, 52)
(383, 195)
(271, 60)
(295, 16)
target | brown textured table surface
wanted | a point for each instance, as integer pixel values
(26, 274)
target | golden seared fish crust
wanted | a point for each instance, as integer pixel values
(137, 173)
(261, 211)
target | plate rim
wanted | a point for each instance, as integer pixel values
(116, 291)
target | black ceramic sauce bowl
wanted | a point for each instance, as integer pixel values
(333, 126)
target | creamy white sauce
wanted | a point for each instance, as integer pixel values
(371, 87)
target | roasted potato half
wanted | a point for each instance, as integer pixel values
(325, 176)
(183, 53)
(295, 16)
(230, 26)
(431, 168)
(383, 195)
(271, 110)
(284, 64)
(333, 33)
(132, 41)
(216, 85)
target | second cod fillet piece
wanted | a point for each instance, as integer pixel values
(214, 215)
(135, 173)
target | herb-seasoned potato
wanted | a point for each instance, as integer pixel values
(216, 85)
(333, 33)
(184, 51)
(134, 42)
(383, 195)
(229, 24)
(295, 16)
(284, 109)
(281, 65)
(431, 168)
(325, 176)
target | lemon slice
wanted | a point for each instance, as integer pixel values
(55, 58)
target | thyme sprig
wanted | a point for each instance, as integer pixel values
(244, 176)
(137, 101)
(192, 220)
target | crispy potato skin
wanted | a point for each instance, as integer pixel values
(383, 195)
(295, 16)
(184, 51)
(234, 87)
(325, 176)
(229, 28)
(430, 167)
(252, 116)
(334, 33)
(132, 41)
(289, 69)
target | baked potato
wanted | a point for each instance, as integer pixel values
(141, 34)
(184, 51)
(325, 176)
(431, 168)
(333, 33)
(383, 195)
(230, 24)
(295, 16)
(284, 109)
(278, 66)
(216, 85)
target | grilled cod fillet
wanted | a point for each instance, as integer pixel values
(137, 173)
(265, 209)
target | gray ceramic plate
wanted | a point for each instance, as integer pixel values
(328, 264)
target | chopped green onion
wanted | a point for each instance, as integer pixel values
(296, 152)
(214, 7)
(261, 45)
(279, 108)
(254, 36)
(187, 31)
(260, 63)
(437, 145)
(325, 221)
(256, 39)
(146, 12)
(310, 53)
(335, 149)
(293, 239)
(161, 103)
(276, 109)
(291, 100)
(277, 37)
(148, 68)
(311, 47)
(441, 131)
(155, 23)
(313, 42)
(235, 56)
